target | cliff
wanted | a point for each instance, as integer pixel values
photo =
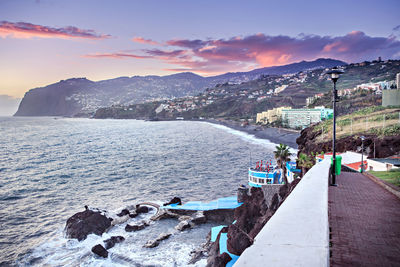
(54, 99)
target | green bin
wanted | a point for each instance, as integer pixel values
(338, 166)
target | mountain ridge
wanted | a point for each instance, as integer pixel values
(80, 95)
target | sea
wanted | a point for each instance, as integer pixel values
(51, 167)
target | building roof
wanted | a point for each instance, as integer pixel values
(357, 165)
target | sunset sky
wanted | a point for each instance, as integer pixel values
(42, 42)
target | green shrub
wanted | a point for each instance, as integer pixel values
(369, 110)
(387, 131)
(344, 122)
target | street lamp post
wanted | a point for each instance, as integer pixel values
(335, 74)
(362, 153)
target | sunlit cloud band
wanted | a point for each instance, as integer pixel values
(29, 30)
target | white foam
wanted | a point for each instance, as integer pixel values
(175, 251)
(251, 138)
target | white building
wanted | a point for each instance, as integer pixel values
(301, 118)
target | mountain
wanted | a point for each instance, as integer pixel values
(243, 101)
(320, 63)
(80, 96)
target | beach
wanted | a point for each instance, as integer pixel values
(275, 135)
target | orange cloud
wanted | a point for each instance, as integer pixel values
(141, 40)
(29, 30)
(272, 58)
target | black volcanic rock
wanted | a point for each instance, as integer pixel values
(383, 146)
(123, 213)
(136, 227)
(100, 251)
(250, 218)
(86, 222)
(113, 240)
(175, 200)
(142, 209)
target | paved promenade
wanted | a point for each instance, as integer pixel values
(365, 223)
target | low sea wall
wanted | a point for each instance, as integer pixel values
(298, 233)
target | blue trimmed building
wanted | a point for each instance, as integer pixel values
(291, 170)
(258, 178)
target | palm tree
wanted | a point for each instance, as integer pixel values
(304, 162)
(282, 155)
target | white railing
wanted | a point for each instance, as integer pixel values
(298, 233)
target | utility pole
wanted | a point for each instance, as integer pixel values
(323, 132)
(384, 117)
(351, 125)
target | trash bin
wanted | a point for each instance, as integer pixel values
(338, 166)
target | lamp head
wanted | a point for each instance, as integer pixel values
(334, 73)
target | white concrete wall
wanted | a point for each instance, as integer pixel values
(351, 157)
(298, 233)
(377, 166)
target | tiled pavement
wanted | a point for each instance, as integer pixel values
(364, 220)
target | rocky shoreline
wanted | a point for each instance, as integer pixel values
(244, 223)
(99, 222)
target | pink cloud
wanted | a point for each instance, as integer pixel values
(213, 56)
(141, 40)
(166, 55)
(115, 56)
(261, 50)
(29, 30)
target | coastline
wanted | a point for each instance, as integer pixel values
(275, 135)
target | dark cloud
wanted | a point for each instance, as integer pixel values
(162, 53)
(397, 28)
(193, 44)
(29, 30)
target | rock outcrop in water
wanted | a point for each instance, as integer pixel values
(175, 200)
(142, 209)
(113, 240)
(156, 242)
(81, 224)
(100, 251)
(136, 227)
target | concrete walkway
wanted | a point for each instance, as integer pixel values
(365, 223)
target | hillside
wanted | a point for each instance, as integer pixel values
(379, 125)
(82, 96)
(244, 100)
